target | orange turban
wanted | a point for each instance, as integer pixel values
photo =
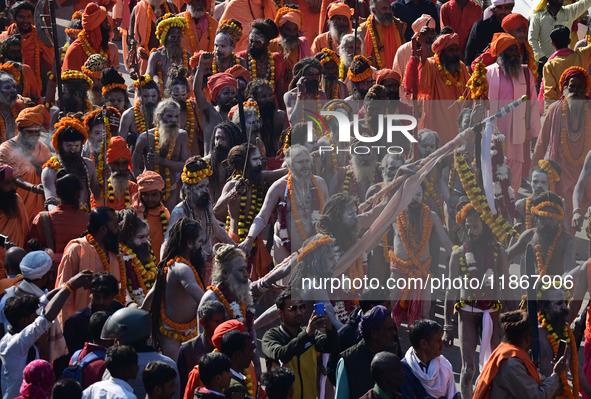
(118, 149)
(238, 71)
(444, 41)
(422, 21)
(31, 116)
(339, 9)
(223, 328)
(150, 181)
(513, 21)
(217, 82)
(92, 18)
(386, 73)
(501, 43)
(287, 14)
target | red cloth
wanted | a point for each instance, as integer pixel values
(117, 150)
(38, 379)
(384, 74)
(223, 328)
(31, 116)
(92, 18)
(218, 81)
(444, 41)
(460, 19)
(513, 21)
(92, 372)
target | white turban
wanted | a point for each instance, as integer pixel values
(35, 265)
(488, 12)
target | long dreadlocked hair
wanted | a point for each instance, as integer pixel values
(129, 224)
(224, 253)
(234, 137)
(313, 265)
(300, 68)
(329, 222)
(515, 325)
(185, 230)
(177, 75)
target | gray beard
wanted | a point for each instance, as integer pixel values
(346, 59)
(168, 135)
(120, 183)
(334, 33)
(362, 172)
(576, 106)
(174, 54)
(289, 45)
(510, 66)
(240, 291)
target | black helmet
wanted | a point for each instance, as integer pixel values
(128, 325)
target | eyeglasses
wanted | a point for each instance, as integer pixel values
(301, 307)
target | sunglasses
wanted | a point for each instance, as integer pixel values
(301, 307)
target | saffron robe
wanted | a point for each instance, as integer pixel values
(246, 12)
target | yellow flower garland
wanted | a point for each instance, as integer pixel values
(170, 21)
(537, 210)
(314, 245)
(167, 183)
(195, 177)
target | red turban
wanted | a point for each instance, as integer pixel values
(386, 73)
(150, 181)
(217, 82)
(444, 41)
(501, 43)
(31, 116)
(575, 72)
(223, 328)
(117, 150)
(238, 71)
(92, 18)
(513, 21)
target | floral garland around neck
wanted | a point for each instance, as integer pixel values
(3, 123)
(269, 75)
(446, 76)
(122, 275)
(141, 277)
(245, 217)
(214, 65)
(544, 262)
(243, 312)
(167, 181)
(565, 136)
(140, 122)
(317, 206)
(374, 41)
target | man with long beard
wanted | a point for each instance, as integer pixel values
(222, 89)
(177, 89)
(93, 68)
(120, 189)
(13, 214)
(361, 77)
(35, 53)
(356, 178)
(179, 287)
(136, 252)
(26, 154)
(94, 39)
(75, 88)
(481, 257)
(331, 85)
(241, 199)
(303, 88)
(68, 138)
(140, 118)
(97, 251)
(148, 205)
(507, 80)
(563, 116)
(339, 24)
(383, 34)
(273, 121)
(144, 19)
(225, 136)
(230, 285)
(347, 51)
(169, 152)
(261, 62)
(424, 79)
(196, 204)
(299, 198)
(8, 106)
(170, 32)
(200, 25)
(290, 44)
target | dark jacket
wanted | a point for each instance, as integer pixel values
(480, 37)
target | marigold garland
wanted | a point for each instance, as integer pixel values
(368, 73)
(140, 122)
(478, 84)
(537, 210)
(246, 310)
(74, 74)
(53, 163)
(167, 182)
(190, 122)
(269, 75)
(543, 265)
(170, 21)
(448, 78)
(463, 214)
(342, 73)
(253, 104)
(150, 20)
(565, 136)
(64, 123)
(103, 257)
(89, 73)
(145, 79)
(579, 69)
(294, 208)
(567, 391)
(112, 86)
(194, 46)
(3, 123)
(87, 47)
(100, 163)
(145, 274)
(195, 177)
(11, 69)
(314, 245)
(431, 193)
(528, 215)
(214, 65)
(329, 55)
(245, 217)
(111, 195)
(552, 174)
(374, 42)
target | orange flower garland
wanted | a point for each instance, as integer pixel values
(224, 301)
(64, 123)
(270, 75)
(565, 136)
(103, 257)
(140, 122)
(430, 192)
(374, 41)
(3, 123)
(314, 245)
(478, 83)
(190, 123)
(447, 77)
(157, 167)
(53, 163)
(146, 274)
(214, 65)
(87, 47)
(170, 21)
(537, 210)
(552, 174)
(528, 216)
(543, 266)
(195, 177)
(294, 208)
(363, 75)
(112, 86)
(192, 40)
(11, 69)
(74, 74)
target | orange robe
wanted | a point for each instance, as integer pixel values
(10, 154)
(15, 228)
(310, 20)
(246, 12)
(32, 88)
(119, 203)
(322, 41)
(441, 108)
(202, 40)
(80, 255)
(76, 56)
(388, 39)
(549, 138)
(30, 45)
(303, 51)
(156, 229)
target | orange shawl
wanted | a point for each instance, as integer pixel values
(491, 368)
(387, 42)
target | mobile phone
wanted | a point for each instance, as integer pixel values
(561, 350)
(319, 308)
(3, 239)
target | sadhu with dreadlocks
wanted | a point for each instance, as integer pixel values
(179, 288)
(554, 247)
(479, 257)
(305, 86)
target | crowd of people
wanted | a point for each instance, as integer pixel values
(167, 239)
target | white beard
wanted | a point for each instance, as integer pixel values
(362, 172)
(120, 183)
(168, 135)
(240, 291)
